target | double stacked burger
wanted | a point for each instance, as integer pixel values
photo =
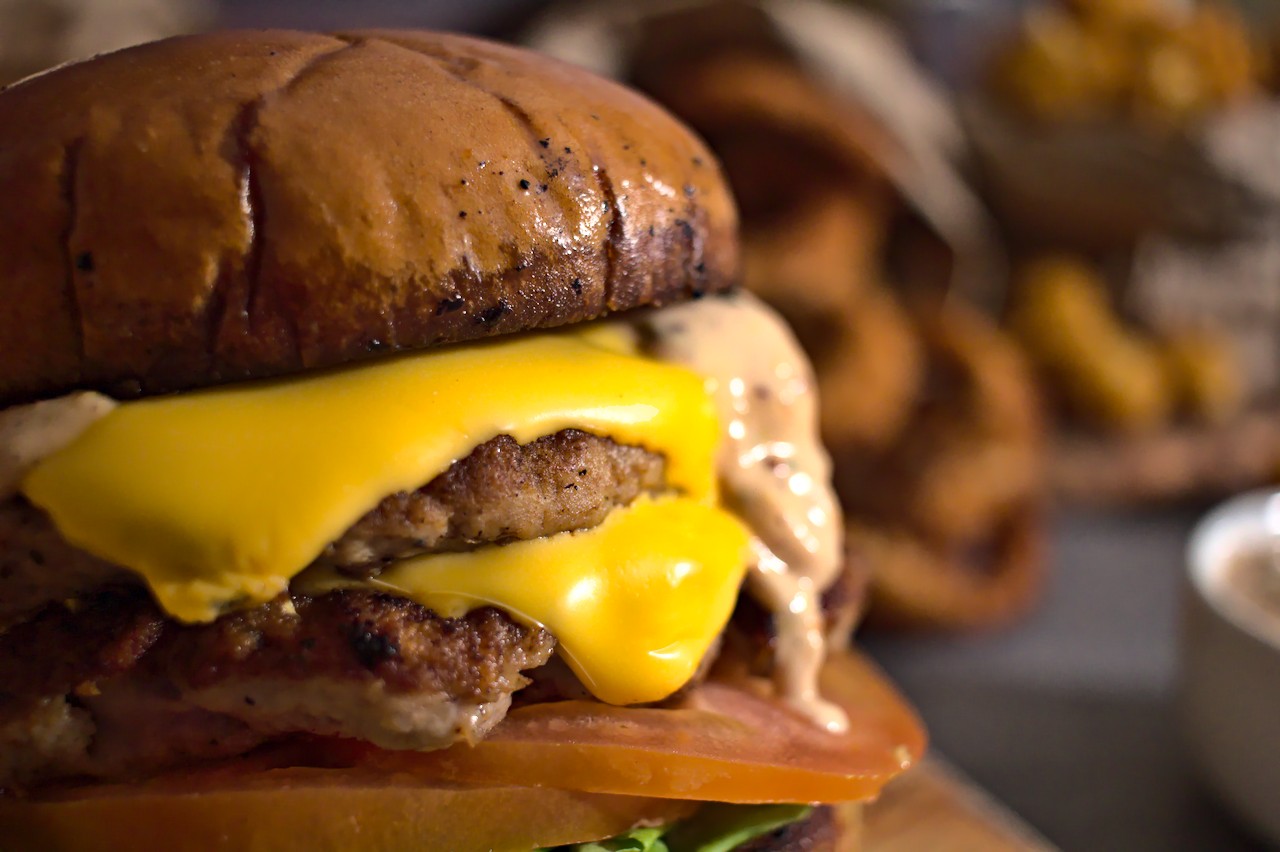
(387, 463)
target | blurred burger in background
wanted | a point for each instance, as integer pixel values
(858, 230)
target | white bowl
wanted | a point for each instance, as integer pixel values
(1230, 690)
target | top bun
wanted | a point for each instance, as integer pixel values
(245, 204)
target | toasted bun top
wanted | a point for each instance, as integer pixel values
(244, 204)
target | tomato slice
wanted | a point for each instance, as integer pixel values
(303, 810)
(727, 742)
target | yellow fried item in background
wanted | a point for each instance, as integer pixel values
(1106, 375)
(1144, 61)
(1052, 73)
(1114, 377)
(1204, 375)
(1232, 64)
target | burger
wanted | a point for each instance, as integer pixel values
(387, 463)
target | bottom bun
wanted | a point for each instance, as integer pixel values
(314, 810)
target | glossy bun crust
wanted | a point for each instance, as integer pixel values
(235, 205)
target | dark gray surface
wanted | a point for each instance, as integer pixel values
(1069, 718)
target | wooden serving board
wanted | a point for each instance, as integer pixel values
(934, 808)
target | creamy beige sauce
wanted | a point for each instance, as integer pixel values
(28, 433)
(774, 472)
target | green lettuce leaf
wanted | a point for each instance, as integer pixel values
(721, 828)
(638, 840)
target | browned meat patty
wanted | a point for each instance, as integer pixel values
(502, 491)
(38, 566)
(65, 649)
(353, 664)
(357, 635)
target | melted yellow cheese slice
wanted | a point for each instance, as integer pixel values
(220, 497)
(634, 603)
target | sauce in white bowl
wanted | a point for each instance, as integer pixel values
(1230, 649)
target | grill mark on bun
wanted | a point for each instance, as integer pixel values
(70, 174)
(615, 243)
(250, 260)
(243, 157)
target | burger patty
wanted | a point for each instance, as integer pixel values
(87, 660)
(352, 663)
(64, 647)
(358, 635)
(37, 565)
(501, 492)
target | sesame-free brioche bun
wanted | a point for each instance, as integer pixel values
(248, 204)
